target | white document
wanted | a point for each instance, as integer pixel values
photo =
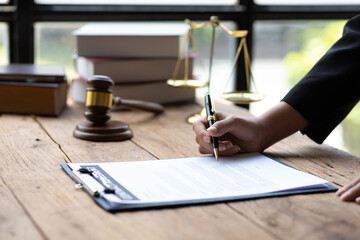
(197, 178)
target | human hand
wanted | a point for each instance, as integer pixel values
(249, 134)
(235, 134)
(350, 192)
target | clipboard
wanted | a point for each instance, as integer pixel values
(99, 185)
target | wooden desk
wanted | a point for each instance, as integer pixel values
(39, 201)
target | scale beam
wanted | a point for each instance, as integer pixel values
(240, 97)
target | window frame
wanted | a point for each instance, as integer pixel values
(21, 15)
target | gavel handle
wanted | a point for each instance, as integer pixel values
(142, 105)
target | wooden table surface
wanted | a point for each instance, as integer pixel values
(38, 199)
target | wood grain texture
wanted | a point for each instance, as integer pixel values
(14, 221)
(311, 216)
(49, 207)
(61, 131)
(62, 212)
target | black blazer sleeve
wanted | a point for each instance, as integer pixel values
(332, 88)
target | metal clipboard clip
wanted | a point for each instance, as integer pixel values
(85, 180)
(97, 183)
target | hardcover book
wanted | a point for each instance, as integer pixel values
(130, 70)
(32, 89)
(24, 72)
(130, 39)
(33, 98)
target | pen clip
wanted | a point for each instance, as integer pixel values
(209, 105)
(212, 106)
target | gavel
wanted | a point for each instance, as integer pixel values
(99, 100)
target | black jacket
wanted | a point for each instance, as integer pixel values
(332, 88)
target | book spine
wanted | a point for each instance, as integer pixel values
(132, 70)
(46, 99)
(128, 46)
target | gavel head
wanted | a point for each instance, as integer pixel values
(99, 99)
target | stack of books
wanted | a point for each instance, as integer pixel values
(32, 89)
(138, 57)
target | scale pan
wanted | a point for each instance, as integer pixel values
(242, 97)
(189, 83)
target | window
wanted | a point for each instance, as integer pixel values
(55, 44)
(39, 29)
(140, 2)
(4, 43)
(284, 51)
(306, 2)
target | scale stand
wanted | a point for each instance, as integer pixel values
(239, 97)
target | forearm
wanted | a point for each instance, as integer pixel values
(331, 89)
(249, 134)
(278, 123)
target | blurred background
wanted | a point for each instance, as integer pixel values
(286, 38)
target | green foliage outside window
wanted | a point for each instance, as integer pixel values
(318, 41)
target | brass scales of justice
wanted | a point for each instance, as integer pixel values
(238, 97)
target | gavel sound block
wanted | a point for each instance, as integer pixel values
(99, 100)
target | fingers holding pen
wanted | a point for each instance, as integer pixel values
(226, 148)
(204, 133)
(220, 128)
(202, 136)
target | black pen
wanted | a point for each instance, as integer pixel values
(210, 113)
